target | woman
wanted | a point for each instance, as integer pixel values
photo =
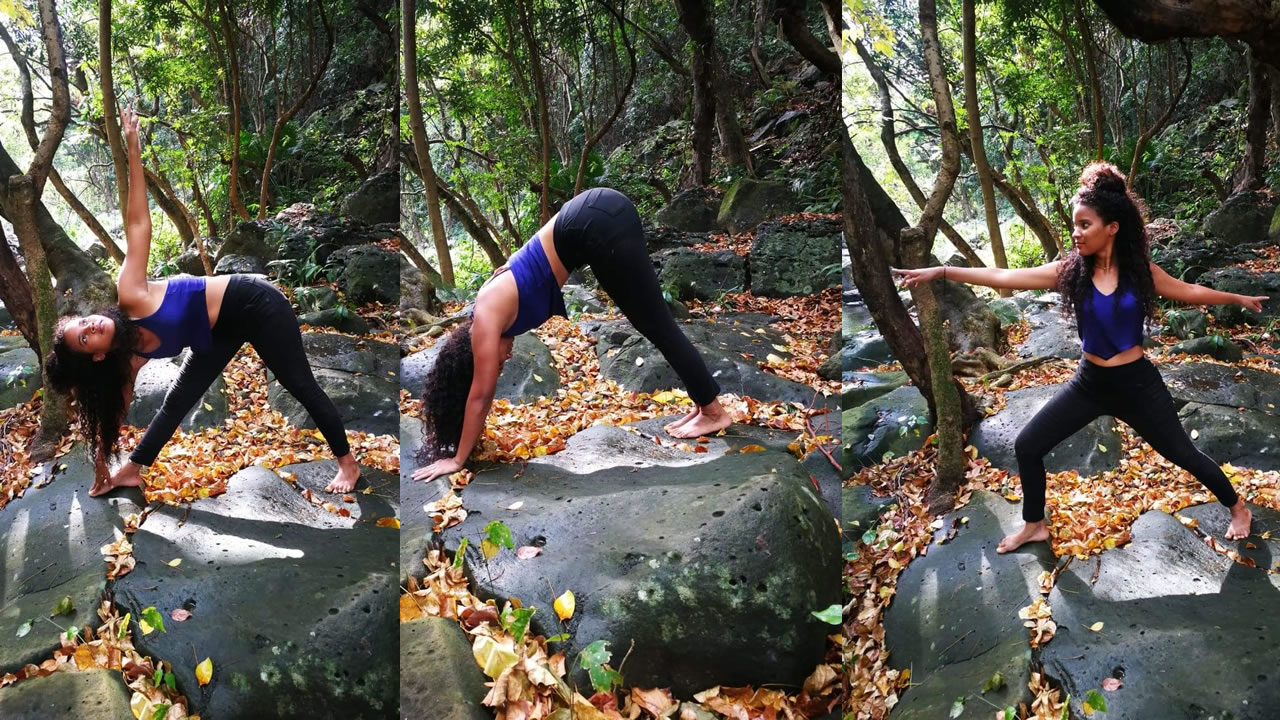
(599, 228)
(96, 357)
(1111, 285)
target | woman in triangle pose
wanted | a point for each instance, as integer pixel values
(97, 357)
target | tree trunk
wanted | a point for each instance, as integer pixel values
(283, 119)
(620, 103)
(916, 242)
(888, 138)
(83, 285)
(29, 125)
(170, 209)
(233, 57)
(871, 220)
(1160, 124)
(1256, 23)
(16, 295)
(53, 405)
(695, 17)
(1255, 154)
(544, 109)
(795, 26)
(478, 227)
(736, 154)
(973, 116)
(111, 124)
(1095, 85)
(420, 150)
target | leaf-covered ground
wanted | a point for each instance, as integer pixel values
(193, 465)
(1089, 515)
(531, 686)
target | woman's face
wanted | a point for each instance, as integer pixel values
(1089, 233)
(90, 334)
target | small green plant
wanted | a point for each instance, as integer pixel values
(516, 621)
(594, 658)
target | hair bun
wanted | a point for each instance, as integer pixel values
(1103, 176)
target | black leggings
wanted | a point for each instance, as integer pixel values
(1133, 393)
(253, 311)
(601, 228)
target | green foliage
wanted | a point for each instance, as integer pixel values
(460, 555)
(594, 658)
(516, 621)
(1022, 248)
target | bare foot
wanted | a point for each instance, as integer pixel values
(346, 478)
(1241, 517)
(711, 418)
(672, 426)
(129, 475)
(1031, 532)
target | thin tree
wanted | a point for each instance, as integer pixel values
(973, 116)
(421, 152)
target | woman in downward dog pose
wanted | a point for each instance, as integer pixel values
(599, 228)
(1110, 284)
(96, 357)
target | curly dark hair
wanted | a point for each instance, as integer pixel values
(444, 399)
(97, 386)
(1103, 188)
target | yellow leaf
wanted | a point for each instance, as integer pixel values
(664, 397)
(488, 548)
(139, 704)
(752, 449)
(175, 562)
(1195, 434)
(493, 657)
(391, 522)
(146, 626)
(537, 377)
(204, 672)
(773, 359)
(564, 605)
(208, 407)
(1096, 627)
(1102, 448)
(1109, 543)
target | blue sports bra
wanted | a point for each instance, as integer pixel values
(1110, 324)
(539, 292)
(182, 320)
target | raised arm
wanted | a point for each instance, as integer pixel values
(1044, 277)
(485, 338)
(1170, 287)
(131, 287)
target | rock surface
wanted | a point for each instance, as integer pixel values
(359, 376)
(994, 436)
(439, 677)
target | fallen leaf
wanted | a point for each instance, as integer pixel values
(564, 605)
(752, 449)
(175, 562)
(1096, 627)
(391, 522)
(204, 672)
(180, 615)
(526, 552)
(1111, 684)
(516, 505)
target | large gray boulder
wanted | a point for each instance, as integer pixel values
(368, 274)
(1248, 438)
(695, 275)
(1245, 282)
(413, 287)
(691, 210)
(954, 619)
(439, 677)
(1245, 217)
(377, 200)
(994, 436)
(731, 347)
(892, 424)
(315, 298)
(153, 383)
(750, 202)
(86, 695)
(795, 258)
(49, 544)
(1052, 332)
(359, 376)
(339, 318)
(262, 540)
(861, 387)
(240, 265)
(1150, 596)
(971, 323)
(1215, 384)
(250, 237)
(1190, 254)
(19, 372)
(714, 582)
(528, 375)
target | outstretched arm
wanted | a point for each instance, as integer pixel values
(131, 287)
(1170, 287)
(485, 336)
(1044, 277)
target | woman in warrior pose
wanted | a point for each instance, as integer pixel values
(1110, 284)
(96, 357)
(599, 228)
